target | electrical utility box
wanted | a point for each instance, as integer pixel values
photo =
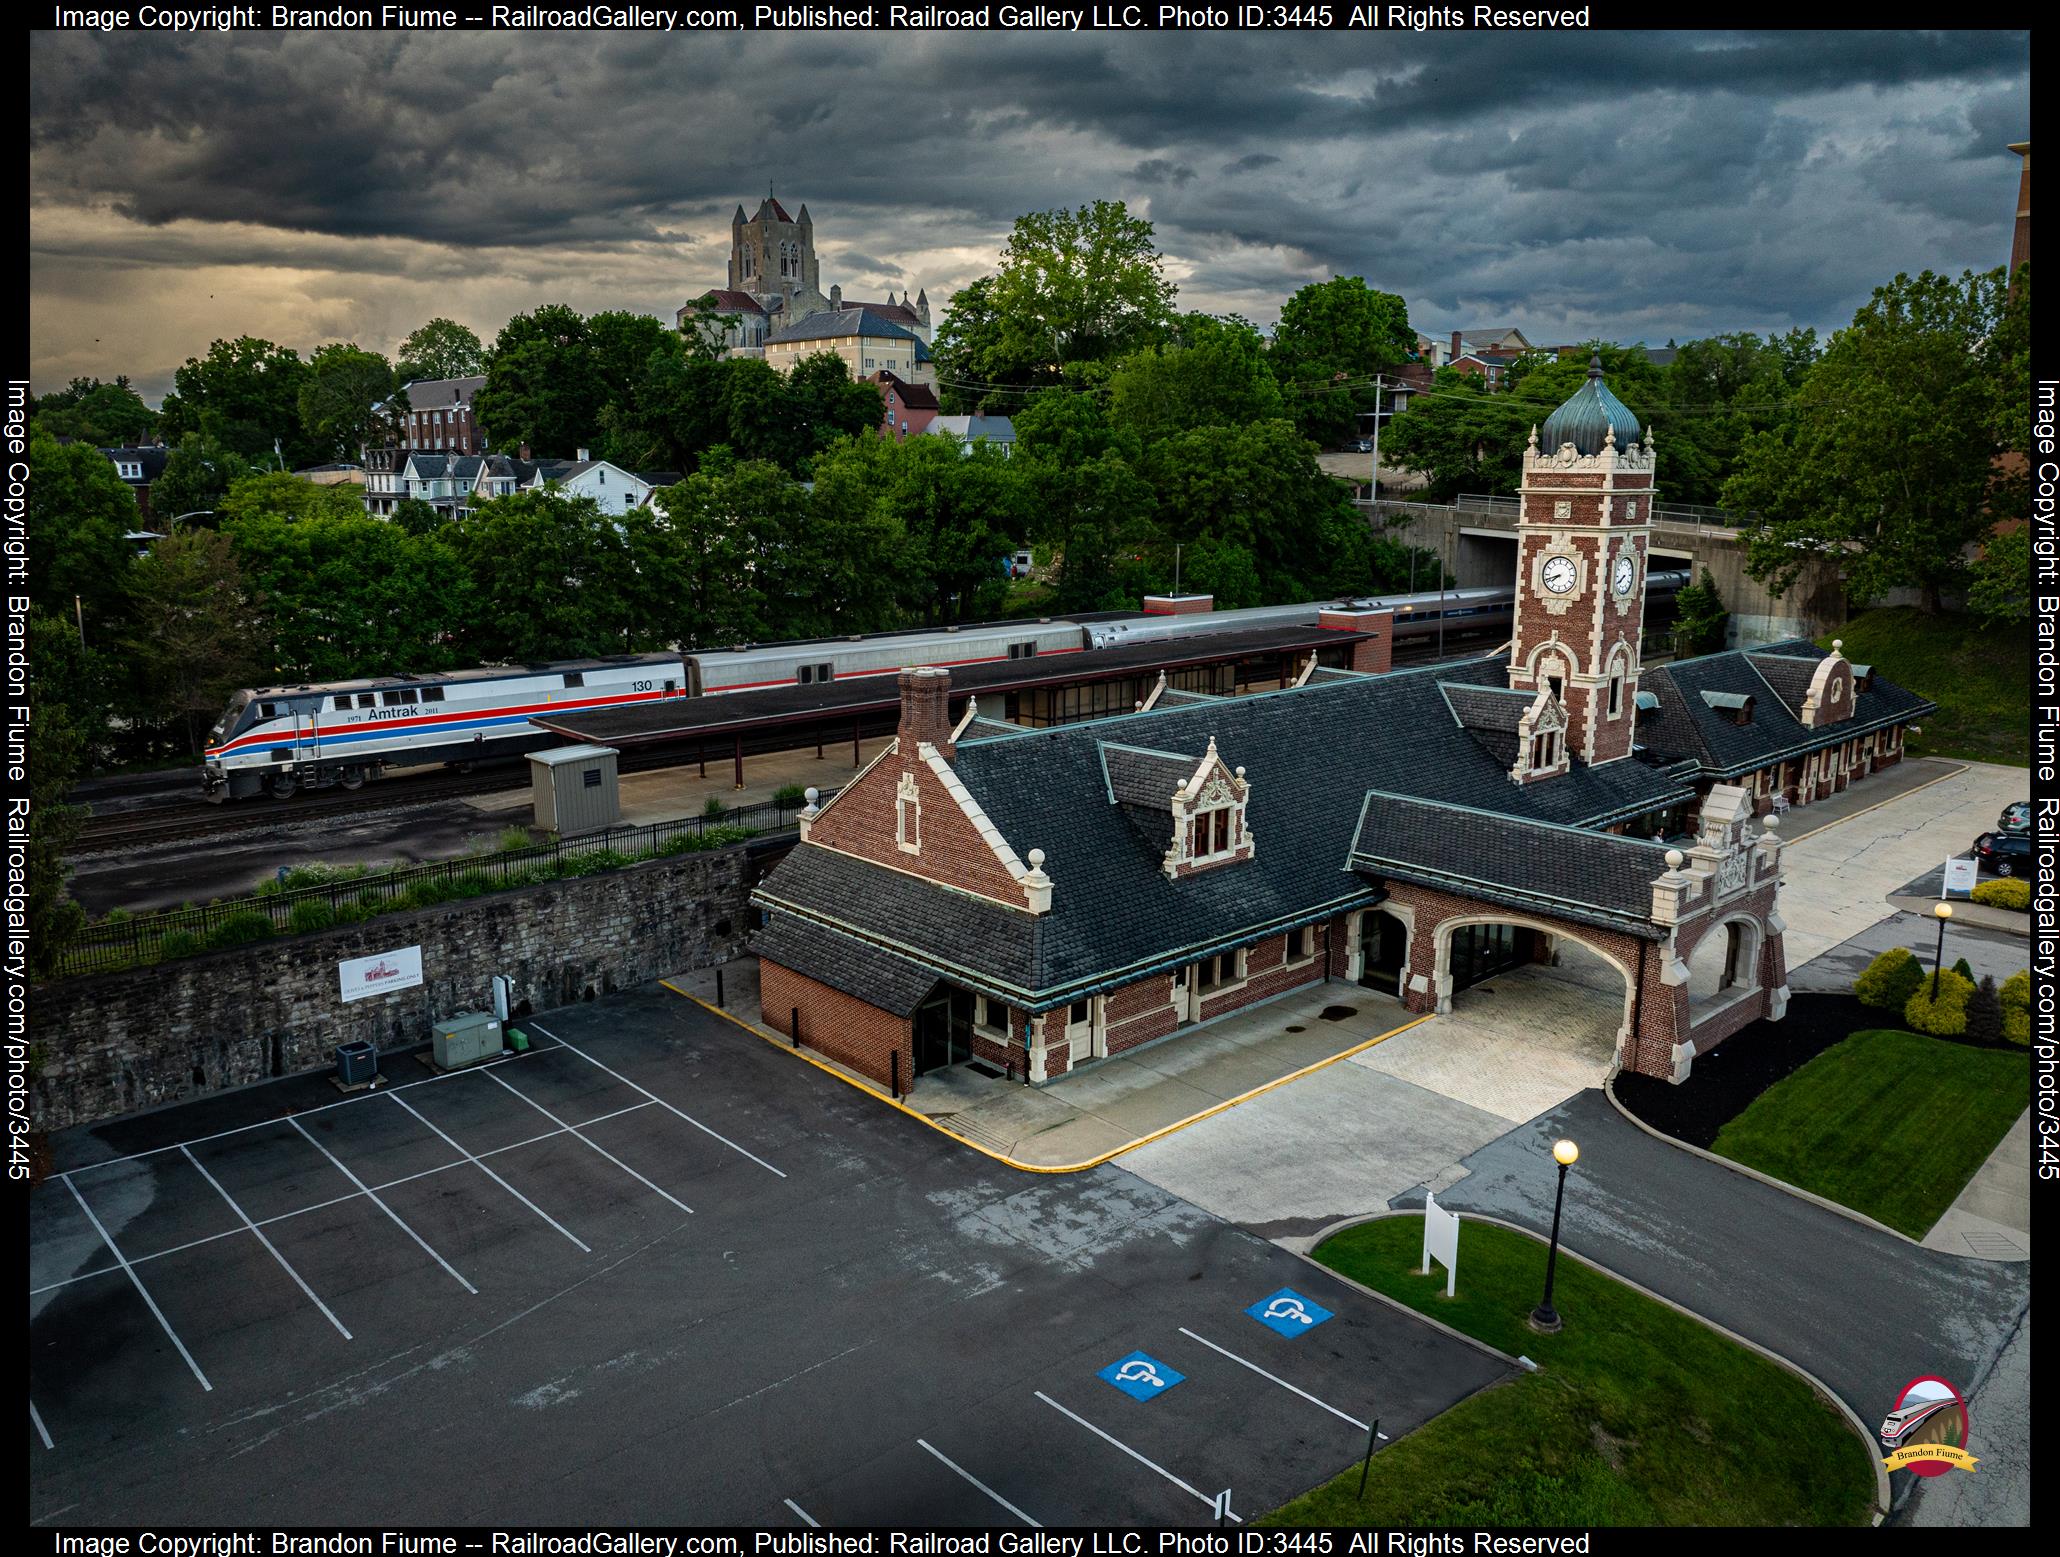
(465, 1039)
(573, 789)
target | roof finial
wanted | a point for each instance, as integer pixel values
(1609, 436)
(1595, 364)
(1534, 437)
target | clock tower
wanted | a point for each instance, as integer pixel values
(1581, 541)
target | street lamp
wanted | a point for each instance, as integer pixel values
(1545, 1318)
(1943, 911)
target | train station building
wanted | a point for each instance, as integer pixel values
(1034, 900)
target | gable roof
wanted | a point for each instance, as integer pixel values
(837, 323)
(727, 300)
(151, 456)
(915, 397)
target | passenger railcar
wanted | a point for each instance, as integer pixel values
(815, 661)
(278, 740)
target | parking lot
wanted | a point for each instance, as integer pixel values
(656, 1270)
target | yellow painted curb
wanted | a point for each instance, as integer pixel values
(1891, 800)
(1035, 1167)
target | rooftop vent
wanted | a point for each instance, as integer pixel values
(1734, 706)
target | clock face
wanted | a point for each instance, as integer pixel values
(1558, 574)
(1626, 573)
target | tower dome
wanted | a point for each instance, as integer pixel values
(1586, 419)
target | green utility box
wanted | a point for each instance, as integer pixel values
(466, 1039)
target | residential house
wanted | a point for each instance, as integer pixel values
(997, 430)
(439, 416)
(905, 408)
(139, 465)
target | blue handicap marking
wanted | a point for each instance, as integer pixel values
(1141, 1377)
(1288, 1313)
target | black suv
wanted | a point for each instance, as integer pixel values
(2003, 854)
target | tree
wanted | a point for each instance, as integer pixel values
(56, 746)
(1891, 454)
(828, 406)
(1999, 591)
(1985, 1013)
(79, 512)
(1700, 621)
(283, 495)
(1333, 336)
(1211, 373)
(543, 385)
(199, 471)
(105, 415)
(418, 517)
(193, 635)
(548, 577)
(342, 400)
(441, 349)
(968, 347)
(244, 393)
(1072, 287)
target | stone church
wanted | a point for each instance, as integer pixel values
(775, 282)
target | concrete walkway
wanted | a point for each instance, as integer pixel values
(1991, 1219)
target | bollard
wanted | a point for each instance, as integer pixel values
(794, 1026)
(1366, 1465)
(894, 1075)
(718, 988)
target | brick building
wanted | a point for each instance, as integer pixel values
(906, 409)
(1036, 900)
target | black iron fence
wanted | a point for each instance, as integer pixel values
(126, 941)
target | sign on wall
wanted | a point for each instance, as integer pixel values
(362, 976)
(1441, 1240)
(1960, 877)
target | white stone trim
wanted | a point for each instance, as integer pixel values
(989, 833)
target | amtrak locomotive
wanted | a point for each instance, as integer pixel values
(280, 740)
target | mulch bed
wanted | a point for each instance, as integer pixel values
(1724, 1082)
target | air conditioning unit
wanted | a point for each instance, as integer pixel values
(465, 1039)
(356, 1063)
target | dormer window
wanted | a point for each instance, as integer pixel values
(1213, 832)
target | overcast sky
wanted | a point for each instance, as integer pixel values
(318, 187)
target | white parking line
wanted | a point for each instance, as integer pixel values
(1120, 1444)
(269, 1249)
(976, 1481)
(43, 1432)
(382, 1205)
(323, 1108)
(626, 1168)
(654, 1097)
(1283, 1383)
(323, 1205)
(802, 1512)
(142, 1291)
(489, 1172)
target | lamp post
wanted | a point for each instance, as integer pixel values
(1545, 1318)
(1943, 912)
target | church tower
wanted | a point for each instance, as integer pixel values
(1581, 542)
(772, 256)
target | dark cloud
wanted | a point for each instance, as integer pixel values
(1621, 184)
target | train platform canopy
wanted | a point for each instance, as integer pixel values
(740, 713)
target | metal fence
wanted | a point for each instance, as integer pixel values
(1694, 516)
(112, 944)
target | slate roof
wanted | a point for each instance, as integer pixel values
(727, 300)
(915, 397)
(868, 973)
(434, 394)
(151, 456)
(996, 429)
(835, 323)
(1684, 726)
(1175, 697)
(1594, 878)
(1137, 777)
(1311, 756)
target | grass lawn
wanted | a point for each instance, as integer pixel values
(1980, 677)
(1637, 1415)
(1892, 1124)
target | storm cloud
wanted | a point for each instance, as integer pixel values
(1634, 186)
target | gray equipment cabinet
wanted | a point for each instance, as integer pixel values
(573, 789)
(465, 1039)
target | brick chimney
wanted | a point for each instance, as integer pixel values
(926, 710)
(1457, 344)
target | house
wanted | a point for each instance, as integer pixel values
(997, 430)
(1505, 339)
(140, 465)
(867, 343)
(1493, 366)
(905, 408)
(439, 416)
(613, 489)
(1039, 900)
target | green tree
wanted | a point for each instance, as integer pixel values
(245, 394)
(342, 400)
(543, 385)
(1999, 591)
(968, 347)
(192, 631)
(57, 741)
(441, 349)
(283, 495)
(828, 406)
(417, 517)
(105, 415)
(1333, 336)
(196, 475)
(1887, 465)
(79, 510)
(1211, 373)
(1700, 621)
(548, 577)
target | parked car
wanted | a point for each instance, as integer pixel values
(2016, 817)
(1362, 446)
(2003, 854)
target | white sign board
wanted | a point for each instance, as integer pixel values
(1960, 877)
(363, 976)
(1441, 1240)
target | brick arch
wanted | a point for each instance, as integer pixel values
(1568, 654)
(1441, 958)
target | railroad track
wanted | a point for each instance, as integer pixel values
(196, 819)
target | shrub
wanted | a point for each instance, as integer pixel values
(1965, 969)
(184, 943)
(1947, 1018)
(2005, 892)
(2016, 991)
(1985, 1013)
(792, 796)
(1890, 980)
(312, 914)
(352, 913)
(2017, 1026)
(515, 837)
(714, 807)
(241, 928)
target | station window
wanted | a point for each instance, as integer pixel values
(1215, 972)
(432, 694)
(575, 678)
(1302, 942)
(1078, 1013)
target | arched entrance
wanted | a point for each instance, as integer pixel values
(1383, 950)
(1555, 998)
(1723, 967)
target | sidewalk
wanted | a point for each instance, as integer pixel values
(1991, 1219)
(1115, 1104)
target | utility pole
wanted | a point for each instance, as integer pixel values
(80, 611)
(1373, 487)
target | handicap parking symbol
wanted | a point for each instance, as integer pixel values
(1141, 1377)
(1288, 1313)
